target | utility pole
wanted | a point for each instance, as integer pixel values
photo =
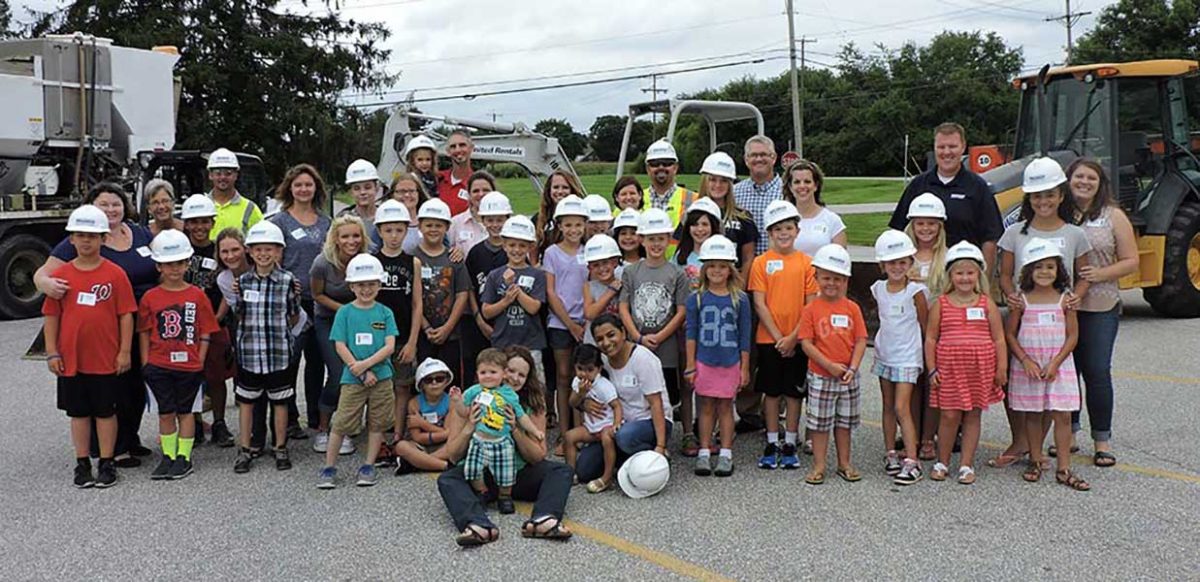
(653, 90)
(495, 115)
(797, 130)
(800, 101)
(1069, 19)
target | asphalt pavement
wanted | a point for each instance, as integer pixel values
(1139, 521)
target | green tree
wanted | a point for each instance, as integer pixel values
(606, 134)
(572, 142)
(1134, 30)
(5, 19)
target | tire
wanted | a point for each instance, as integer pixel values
(1179, 294)
(20, 256)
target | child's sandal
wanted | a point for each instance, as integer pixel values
(966, 475)
(597, 486)
(939, 472)
(927, 452)
(1066, 477)
(1033, 473)
(815, 478)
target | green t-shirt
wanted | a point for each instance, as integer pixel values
(364, 332)
(492, 422)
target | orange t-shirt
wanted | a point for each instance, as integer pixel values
(89, 316)
(834, 327)
(785, 280)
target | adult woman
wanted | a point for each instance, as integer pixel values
(544, 482)
(347, 237)
(1113, 255)
(559, 185)
(638, 375)
(127, 245)
(716, 181)
(409, 191)
(160, 203)
(627, 193)
(301, 217)
(819, 226)
(466, 228)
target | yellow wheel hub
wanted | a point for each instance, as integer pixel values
(1193, 261)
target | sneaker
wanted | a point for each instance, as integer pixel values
(690, 446)
(385, 458)
(703, 465)
(107, 475)
(295, 433)
(788, 459)
(770, 457)
(724, 467)
(348, 447)
(891, 463)
(910, 472)
(83, 475)
(283, 461)
(367, 476)
(325, 478)
(242, 464)
(180, 468)
(163, 470)
(808, 448)
(321, 442)
(506, 506)
(221, 435)
(198, 438)
(404, 467)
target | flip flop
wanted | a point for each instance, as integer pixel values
(1104, 459)
(815, 478)
(1005, 460)
(471, 537)
(849, 474)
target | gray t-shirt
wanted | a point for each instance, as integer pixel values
(517, 327)
(1070, 238)
(303, 245)
(441, 282)
(653, 295)
(336, 287)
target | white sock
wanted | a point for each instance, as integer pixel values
(772, 437)
(727, 453)
(790, 437)
(704, 453)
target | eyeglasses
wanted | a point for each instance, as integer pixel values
(660, 164)
(437, 378)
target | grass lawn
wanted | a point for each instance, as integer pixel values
(863, 229)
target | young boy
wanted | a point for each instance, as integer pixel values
(445, 287)
(401, 293)
(268, 304)
(782, 282)
(588, 383)
(494, 211)
(175, 322)
(364, 335)
(89, 338)
(492, 446)
(653, 294)
(834, 337)
(514, 294)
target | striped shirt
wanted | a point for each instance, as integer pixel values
(755, 198)
(265, 304)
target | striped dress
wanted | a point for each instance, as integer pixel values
(966, 358)
(1043, 333)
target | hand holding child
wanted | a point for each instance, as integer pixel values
(1073, 301)
(456, 255)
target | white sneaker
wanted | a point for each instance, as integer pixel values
(347, 446)
(321, 442)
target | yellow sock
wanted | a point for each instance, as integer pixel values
(169, 442)
(185, 448)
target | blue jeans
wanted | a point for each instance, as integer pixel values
(333, 365)
(633, 437)
(1093, 358)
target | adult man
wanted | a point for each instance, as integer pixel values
(232, 209)
(662, 164)
(971, 211)
(762, 187)
(452, 183)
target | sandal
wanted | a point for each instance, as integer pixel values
(1033, 473)
(849, 474)
(815, 478)
(1066, 477)
(471, 537)
(1006, 459)
(939, 472)
(966, 475)
(556, 532)
(1052, 450)
(597, 486)
(1104, 459)
(927, 452)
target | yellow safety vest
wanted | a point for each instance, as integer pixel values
(239, 212)
(677, 205)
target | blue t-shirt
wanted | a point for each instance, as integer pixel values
(364, 332)
(434, 413)
(136, 262)
(492, 422)
(721, 330)
(304, 243)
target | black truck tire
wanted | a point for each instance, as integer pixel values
(1179, 294)
(20, 257)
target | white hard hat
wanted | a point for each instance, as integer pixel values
(198, 206)
(892, 245)
(572, 205)
(1037, 249)
(719, 164)
(361, 171)
(963, 250)
(431, 366)
(628, 218)
(265, 232)
(363, 268)
(661, 150)
(419, 142)
(88, 218)
(495, 204)
(927, 205)
(170, 246)
(434, 208)
(718, 248)
(833, 257)
(1042, 174)
(601, 247)
(644, 474)
(597, 208)
(778, 211)
(223, 158)
(391, 211)
(655, 221)
(520, 228)
(706, 205)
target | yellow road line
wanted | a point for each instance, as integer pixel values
(1156, 378)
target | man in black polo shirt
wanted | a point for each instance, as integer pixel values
(971, 211)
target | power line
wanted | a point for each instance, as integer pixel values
(1069, 19)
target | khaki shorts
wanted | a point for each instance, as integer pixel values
(405, 376)
(379, 400)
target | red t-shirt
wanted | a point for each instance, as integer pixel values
(176, 321)
(89, 314)
(455, 194)
(834, 327)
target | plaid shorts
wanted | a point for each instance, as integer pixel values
(906, 374)
(832, 404)
(495, 456)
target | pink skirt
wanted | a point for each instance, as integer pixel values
(714, 382)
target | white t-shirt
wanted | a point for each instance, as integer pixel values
(818, 231)
(603, 392)
(898, 341)
(642, 375)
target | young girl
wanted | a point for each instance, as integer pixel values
(604, 286)
(420, 158)
(231, 251)
(703, 220)
(589, 384)
(430, 420)
(966, 355)
(926, 228)
(625, 231)
(717, 176)
(718, 321)
(1041, 334)
(566, 278)
(898, 354)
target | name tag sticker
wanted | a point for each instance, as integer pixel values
(250, 296)
(86, 299)
(1098, 223)
(179, 357)
(463, 194)
(485, 399)
(299, 233)
(896, 309)
(1060, 241)
(363, 339)
(208, 264)
(144, 251)
(976, 314)
(774, 266)
(431, 417)
(426, 272)
(958, 196)
(580, 259)
(629, 381)
(819, 228)
(1046, 318)
(924, 271)
(525, 281)
(464, 236)
(840, 320)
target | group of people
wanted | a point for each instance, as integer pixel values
(465, 339)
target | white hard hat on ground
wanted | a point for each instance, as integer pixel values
(170, 246)
(364, 268)
(601, 247)
(431, 366)
(391, 211)
(833, 257)
(778, 211)
(88, 218)
(644, 474)
(628, 218)
(597, 208)
(434, 208)
(718, 248)
(655, 221)
(265, 232)
(198, 206)
(361, 171)
(495, 204)
(1042, 174)
(571, 205)
(927, 205)
(520, 228)
(892, 245)
(223, 158)
(963, 250)
(1037, 249)
(719, 164)
(661, 150)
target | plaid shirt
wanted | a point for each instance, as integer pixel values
(754, 199)
(265, 304)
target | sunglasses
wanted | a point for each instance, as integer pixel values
(437, 378)
(661, 164)
(224, 173)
